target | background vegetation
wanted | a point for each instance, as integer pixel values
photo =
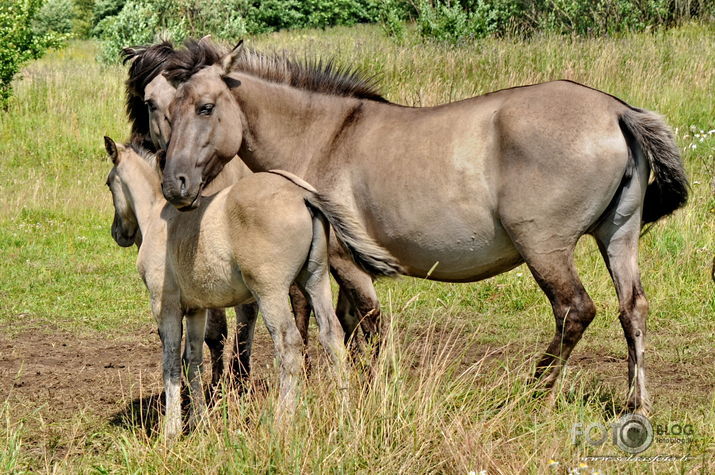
(28, 27)
(450, 393)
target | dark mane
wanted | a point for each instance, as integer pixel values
(310, 74)
(194, 56)
(147, 155)
(147, 61)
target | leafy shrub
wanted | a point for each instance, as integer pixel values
(392, 15)
(141, 20)
(455, 20)
(83, 18)
(54, 16)
(19, 42)
(106, 8)
(136, 23)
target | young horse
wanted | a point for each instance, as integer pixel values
(458, 192)
(249, 241)
(148, 97)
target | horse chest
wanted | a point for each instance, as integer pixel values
(207, 274)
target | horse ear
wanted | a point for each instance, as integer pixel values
(231, 82)
(111, 148)
(230, 59)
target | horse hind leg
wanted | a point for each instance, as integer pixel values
(301, 310)
(572, 307)
(315, 281)
(617, 237)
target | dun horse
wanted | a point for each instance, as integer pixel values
(249, 242)
(457, 192)
(148, 97)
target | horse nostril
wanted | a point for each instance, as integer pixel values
(182, 185)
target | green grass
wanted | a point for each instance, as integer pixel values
(430, 410)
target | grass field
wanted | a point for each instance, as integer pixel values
(78, 351)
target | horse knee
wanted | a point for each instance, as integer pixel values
(639, 305)
(574, 316)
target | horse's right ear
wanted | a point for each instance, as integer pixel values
(230, 59)
(111, 148)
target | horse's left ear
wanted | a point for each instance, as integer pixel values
(231, 82)
(230, 59)
(111, 149)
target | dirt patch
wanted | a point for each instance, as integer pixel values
(55, 381)
(52, 375)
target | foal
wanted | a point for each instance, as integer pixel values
(249, 241)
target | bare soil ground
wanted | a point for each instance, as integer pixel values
(55, 380)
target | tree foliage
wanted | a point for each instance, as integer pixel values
(20, 41)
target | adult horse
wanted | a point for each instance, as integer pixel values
(457, 192)
(148, 95)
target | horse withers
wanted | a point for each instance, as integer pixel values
(249, 242)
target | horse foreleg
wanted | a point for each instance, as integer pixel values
(215, 338)
(195, 330)
(246, 316)
(169, 318)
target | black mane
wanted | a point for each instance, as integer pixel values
(312, 75)
(147, 61)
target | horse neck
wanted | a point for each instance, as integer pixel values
(145, 194)
(285, 127)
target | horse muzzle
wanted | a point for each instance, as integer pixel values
(179, 191)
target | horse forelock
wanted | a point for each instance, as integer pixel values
(316, 75)
(195, 56)
(147, 61)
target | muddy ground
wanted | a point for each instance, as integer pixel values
(55, 381)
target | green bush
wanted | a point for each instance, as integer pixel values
(83, 18)
(141, 20)
(454, 20)
(19, 42)
(55, 16)
(136, 23)
(106, 8)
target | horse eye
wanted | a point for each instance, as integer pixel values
(150, 104)
(206, 109)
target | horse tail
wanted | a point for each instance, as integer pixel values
(668, 190)
(366, 253)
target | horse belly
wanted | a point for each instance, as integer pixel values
(217, 290)
(457, 253)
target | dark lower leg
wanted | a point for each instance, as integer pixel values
(246, 316)
(633, 321)
(215, 338)
(301, 311)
